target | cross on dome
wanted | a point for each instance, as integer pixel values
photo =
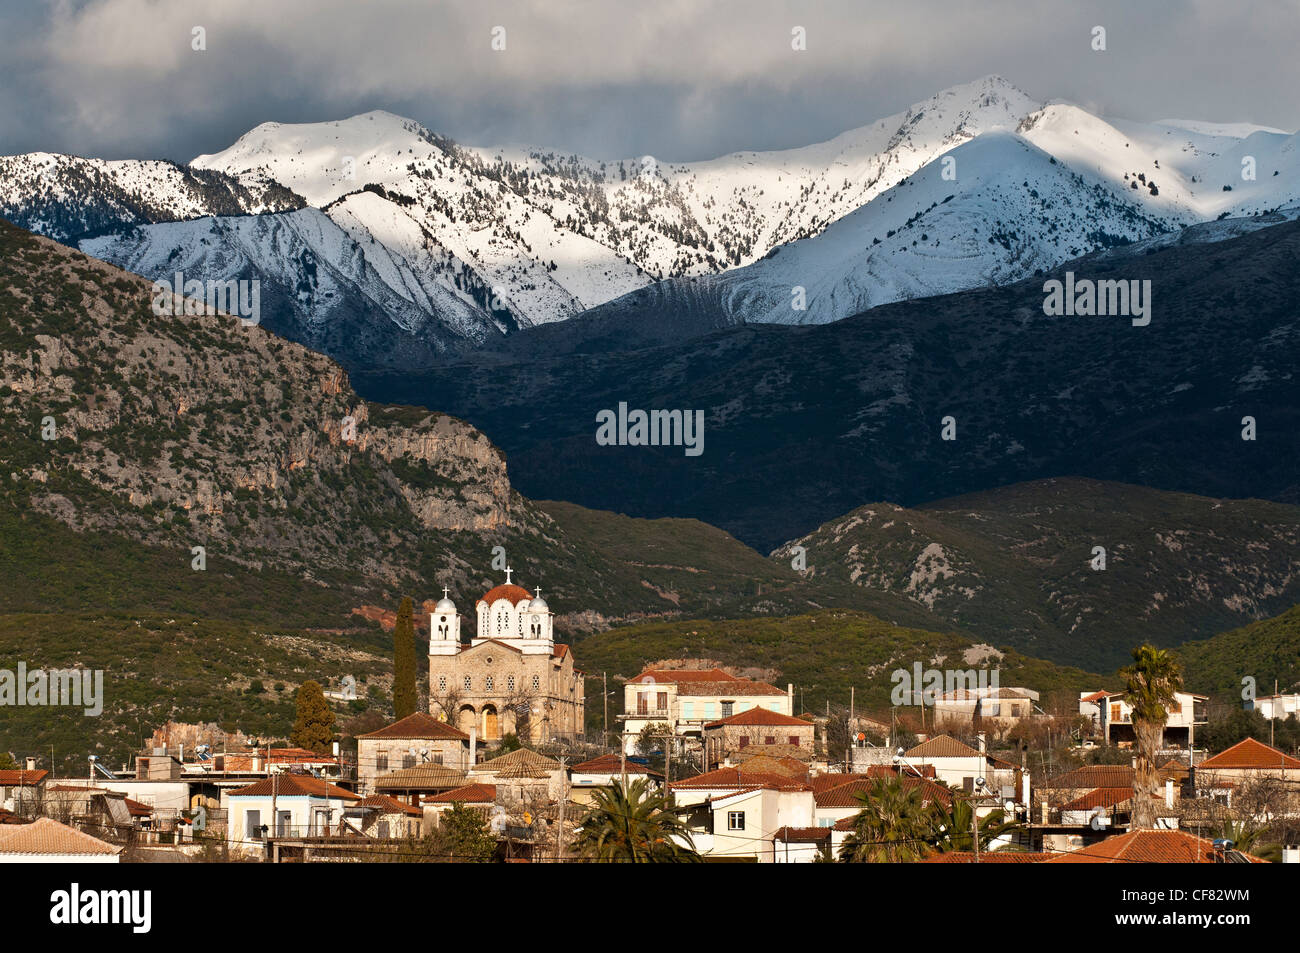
(508, 572)
(445, 592)
(538, 590)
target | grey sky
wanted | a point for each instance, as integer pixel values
(678, 79)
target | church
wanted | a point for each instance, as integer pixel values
(511, 676)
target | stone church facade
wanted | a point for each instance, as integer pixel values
(511, 676)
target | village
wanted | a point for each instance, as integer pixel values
(700, 764)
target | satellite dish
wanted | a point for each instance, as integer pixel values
(1009, 807)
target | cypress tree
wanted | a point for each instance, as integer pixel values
(404, 694)
(313, 729)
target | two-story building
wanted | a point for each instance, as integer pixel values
(688, 699)
(740, 814)
(758, 729)
(1112, 717)
(419, 738)
(284, 806)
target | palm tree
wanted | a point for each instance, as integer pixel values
(1152, 680)
(953, 827)
(633, 825)
(894, 825)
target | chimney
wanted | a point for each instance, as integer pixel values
(983, 743)
(473, 741)
(31, 764)
(789, 694)
(1169, 792)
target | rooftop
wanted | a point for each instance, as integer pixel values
(47, 836)
(1250, 754)
(418, 726)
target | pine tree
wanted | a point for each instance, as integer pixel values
(314, 727)
(404, 694)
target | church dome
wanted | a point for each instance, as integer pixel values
(538, 604)
(508, 591)
(445, 606)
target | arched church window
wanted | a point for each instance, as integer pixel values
(469, 683)
(442, 683)
(510, 683)
(537, 683)
(488, 683)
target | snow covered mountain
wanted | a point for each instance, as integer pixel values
(457, 245)
(67, 198)
(995, 209)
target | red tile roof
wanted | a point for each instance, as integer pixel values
(389, 805)
(1147, 847)
(293, 785)
(1250, 754)
(609, 764)
(508, 591)
(728, 778)
(1100, 797)
(45, 836)
(986, 857)
(21, 778)
(846, 795)
(802, 835)
(685, 675)
(761, 716)
(943, 746)
(469, 794)
(824, 782)
(138, 809)
(418, 726)
(736, 688)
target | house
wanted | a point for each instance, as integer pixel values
(412, 784)
(512, 676)
(1276, 706)
(734, 813)
(478, 796)
(383, 817)
(586, 777)
(837, 797)
(1112, 717)
(1249, 763)
(419, 738)
(999, 706)
(1152, 847)
(46, 841)
(284, 806)
(959, 765)
(523, 774)
(688, 699)
(22, 791)
(758, 728)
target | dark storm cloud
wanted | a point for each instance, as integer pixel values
(678, 80)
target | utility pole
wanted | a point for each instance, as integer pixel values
(604, 694)
(852, 700)
(622, 756)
